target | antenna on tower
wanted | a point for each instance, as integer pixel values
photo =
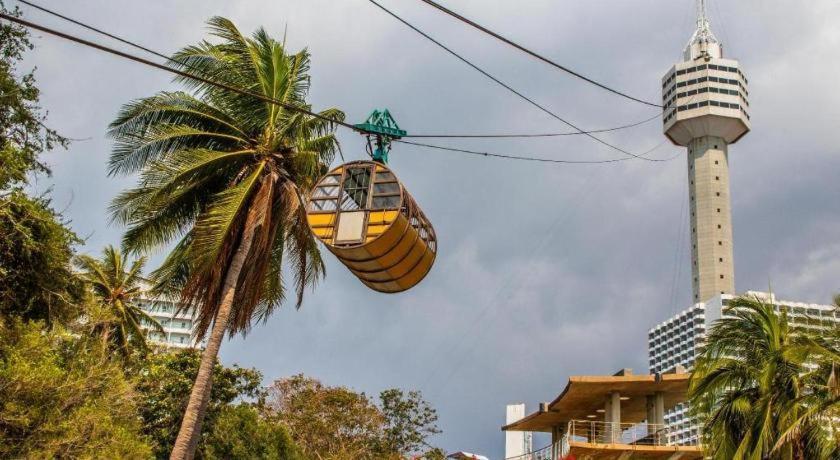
(703, 33)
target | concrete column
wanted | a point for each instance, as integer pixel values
(659, 408)
(650, 407)
(712, 267)
(612, 417)
(659, 417)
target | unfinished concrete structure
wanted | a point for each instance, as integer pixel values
(610, 417)
(705, 100)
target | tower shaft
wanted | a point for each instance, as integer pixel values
(711, 218)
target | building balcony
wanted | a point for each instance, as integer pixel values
(621, 416)
(608, 440)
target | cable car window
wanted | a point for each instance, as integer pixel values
(385, 177)
(326, 191)
(390, 201)
(322, 205)
(387, 188)
(355, 189)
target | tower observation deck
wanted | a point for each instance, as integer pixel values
(706, 109)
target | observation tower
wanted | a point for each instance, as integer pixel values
(706, 109)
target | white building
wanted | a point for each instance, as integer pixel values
(517, 443)
(706, 109)
(705, 101)
(177, 326)
(675, 342)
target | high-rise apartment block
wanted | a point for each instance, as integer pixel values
(675, 343)
(178, 326)
(706, 109)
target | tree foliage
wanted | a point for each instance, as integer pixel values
(409, 421)
(36, 280)
(117, 286)
(36, 246)
(339, 423)
(63, 398)
(240, 431)
(23, 134)
(163, 383)
(765, 389)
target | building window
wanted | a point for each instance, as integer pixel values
(716, 162)
(717, 177)
(718, 209)
(721, 276)
(720, 259)
(718, 226)
(717, 193)
(720, 243)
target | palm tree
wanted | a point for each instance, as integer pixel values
(225, 174)
(765, 389)
(117, 286)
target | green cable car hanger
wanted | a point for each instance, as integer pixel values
(380, 128)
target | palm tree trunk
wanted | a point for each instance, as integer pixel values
(189, 434)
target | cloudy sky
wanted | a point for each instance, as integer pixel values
(544, 271)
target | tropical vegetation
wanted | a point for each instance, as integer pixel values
(118, 287)
(77, 377)
(222, 176)
(766, 389)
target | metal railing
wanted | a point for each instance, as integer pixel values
(595, 432)
(546, 453)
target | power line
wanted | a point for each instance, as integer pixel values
(503, 84)
(496, 136)
(274, 101)
(533, 53)
(180, 73)
(101, 32)
(168, 58)
(529, 158)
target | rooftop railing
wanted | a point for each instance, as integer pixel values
(633, 435)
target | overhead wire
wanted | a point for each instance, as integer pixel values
(496, 136)
(169, 58)
(505, 85)
(225, 86)
(529, 158)
(534, 54)
(178, 72)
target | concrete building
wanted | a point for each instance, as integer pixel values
(609, 417)
(673, 344)
(705, 100)
(517, 443)
(178, 327)
(706, 109)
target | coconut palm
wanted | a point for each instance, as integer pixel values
(223, 176)
(117, 286)
(765, 389)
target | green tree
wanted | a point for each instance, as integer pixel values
(227, 171)
(118, 286)
(163, 383)
(36, 282)
(330, 423)
(409, 421)
(23, 134)
(765, 389)
(241, 432)
(339, 423)
(63, 398)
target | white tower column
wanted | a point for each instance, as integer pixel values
(711, 218)
(706, 110)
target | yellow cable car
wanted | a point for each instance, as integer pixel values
(364, 216)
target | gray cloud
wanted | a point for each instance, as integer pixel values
(544, 271)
